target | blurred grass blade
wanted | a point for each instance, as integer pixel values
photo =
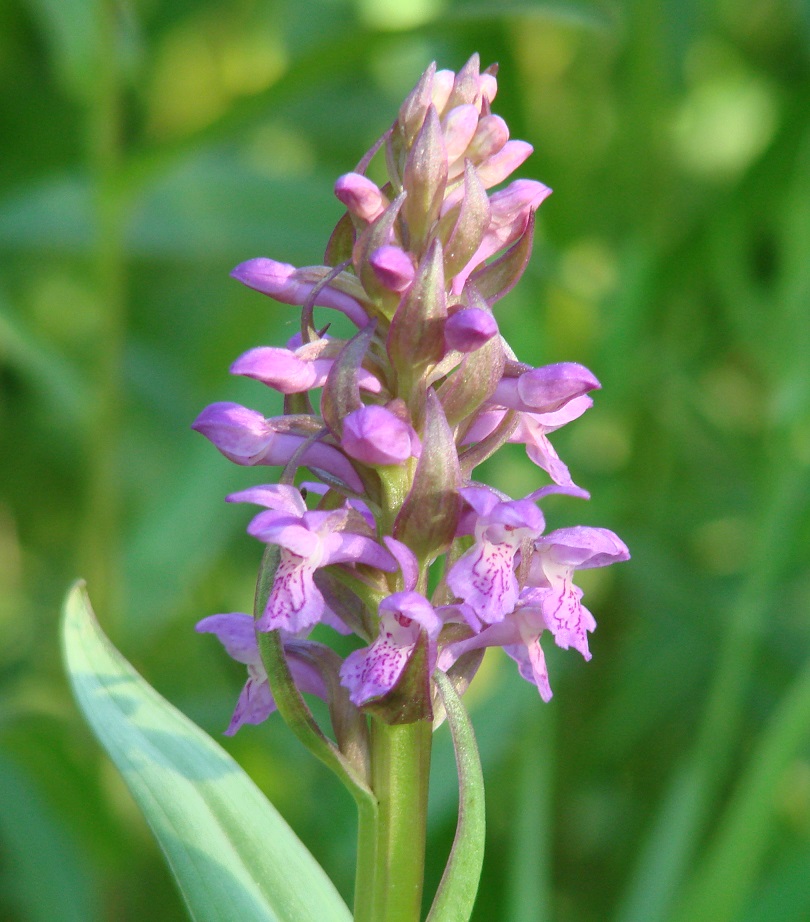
(71, 32)
(583, 15)
(668, 852)
(455, 897)
(50, 882)
(529, 881)
(728, 871)
(56, 213)
(60, 384)
(785, 892)
(233, 855)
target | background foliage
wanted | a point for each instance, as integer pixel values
(149, 147)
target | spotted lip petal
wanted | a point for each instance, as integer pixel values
(295, 604)
(373, 671)
(484, 577)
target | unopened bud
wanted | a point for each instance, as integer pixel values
(468, 329)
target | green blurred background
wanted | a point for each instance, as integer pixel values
(149, 147)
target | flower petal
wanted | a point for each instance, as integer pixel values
(484, 578)
(255, 705)
(374, 435)
(583, 547)
(531, 665)
(295, 603)
(567, 619)
(279, 496)
(373, 671)
(236, 632)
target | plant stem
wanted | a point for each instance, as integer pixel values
(365, 873)
(391, 888)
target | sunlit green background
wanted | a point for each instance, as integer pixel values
(147, 148)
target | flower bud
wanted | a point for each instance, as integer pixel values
(468, 329)
(442, 88)
(361, 196)
(497, 167)
(491, 134)
(374, 435)
(246, 437)
(393, 267)
(545, 389)
(488, 86)
(459, 128)
(288, 285)
(498, 278)
(510, 211)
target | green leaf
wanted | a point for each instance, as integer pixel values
(233, 855)
(455, 897)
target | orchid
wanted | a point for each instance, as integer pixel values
(375, 670)
(407, 407)
(384, 536)
(237, 634)
(484, 577)
(531, 430)
(297, 368)
(549, 602)
(246, 437)
(308, 540)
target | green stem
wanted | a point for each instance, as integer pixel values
(393, 859)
